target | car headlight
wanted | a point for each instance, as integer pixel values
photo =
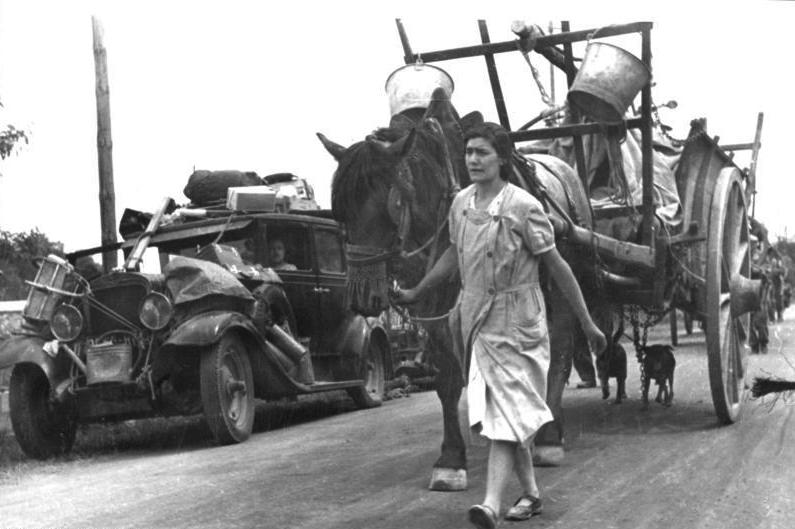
(156, 311)
(66, 323)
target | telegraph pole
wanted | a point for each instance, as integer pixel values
(552, 72)
(107, 195)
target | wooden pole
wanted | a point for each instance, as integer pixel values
(579, 149)
(107, 195)
(754, 155)
(647, 161)
(494, 78)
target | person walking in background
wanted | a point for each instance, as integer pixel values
(499, 234)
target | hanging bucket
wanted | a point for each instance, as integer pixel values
(412, 86)
(607, 82)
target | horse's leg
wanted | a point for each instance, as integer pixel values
(563, 327)
(565, 336)
(450, 470)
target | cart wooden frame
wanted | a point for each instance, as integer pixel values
(704, 268)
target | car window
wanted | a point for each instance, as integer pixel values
(329, 251)
(288, 247)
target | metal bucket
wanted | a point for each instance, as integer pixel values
(412, 86)
(607, 82)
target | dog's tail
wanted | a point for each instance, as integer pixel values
(619, 331)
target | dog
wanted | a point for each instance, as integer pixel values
(613, 364)
(658, 364)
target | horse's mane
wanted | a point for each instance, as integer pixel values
(359, 174)
(368, 168)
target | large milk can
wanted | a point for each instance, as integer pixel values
(412, 85)
(607, 82)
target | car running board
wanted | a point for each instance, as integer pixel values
(318, 387)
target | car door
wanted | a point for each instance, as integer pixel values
(330, 291)
(300, 281)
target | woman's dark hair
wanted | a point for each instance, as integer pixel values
(498, 137)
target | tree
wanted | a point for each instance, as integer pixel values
(17, 254)
(10, 137)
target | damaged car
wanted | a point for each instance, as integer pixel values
(206, 327)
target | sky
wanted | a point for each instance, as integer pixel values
(246, 85)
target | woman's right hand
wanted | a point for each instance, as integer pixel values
(405, 296)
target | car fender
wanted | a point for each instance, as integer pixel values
(356, 334)
(20, 349)
(207, 328)
(268, 363)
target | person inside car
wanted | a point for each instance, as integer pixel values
(277, 254)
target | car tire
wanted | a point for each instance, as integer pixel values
(371, 370)
(227, 390)
(43, 428)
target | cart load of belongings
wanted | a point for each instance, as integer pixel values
(211, 188)
(603, 89)
(609, 187)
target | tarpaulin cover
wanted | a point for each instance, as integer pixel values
(190, 279)
(665, 158)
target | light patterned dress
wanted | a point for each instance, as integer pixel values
(501, 311)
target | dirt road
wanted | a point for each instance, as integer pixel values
(626, 468)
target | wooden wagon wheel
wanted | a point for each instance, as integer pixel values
(728, 262)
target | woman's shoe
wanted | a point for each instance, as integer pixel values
(483, 517)
(524, 508)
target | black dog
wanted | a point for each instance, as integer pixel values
(658, 363)
(613, 364)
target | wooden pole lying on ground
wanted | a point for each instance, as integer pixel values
(107, 196)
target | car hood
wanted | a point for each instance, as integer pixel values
(190, 279)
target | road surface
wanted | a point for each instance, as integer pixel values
(628, 469)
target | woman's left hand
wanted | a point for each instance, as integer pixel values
(596, 339)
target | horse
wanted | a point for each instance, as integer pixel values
(392, 192)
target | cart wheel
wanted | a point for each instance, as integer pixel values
(728, 253)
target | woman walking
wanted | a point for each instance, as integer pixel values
(499, 234)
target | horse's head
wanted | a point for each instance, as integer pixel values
(391, 192)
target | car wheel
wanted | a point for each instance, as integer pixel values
(43, 428)
(371, 370)
(227, 390)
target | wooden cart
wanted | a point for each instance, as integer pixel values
(704, 267)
